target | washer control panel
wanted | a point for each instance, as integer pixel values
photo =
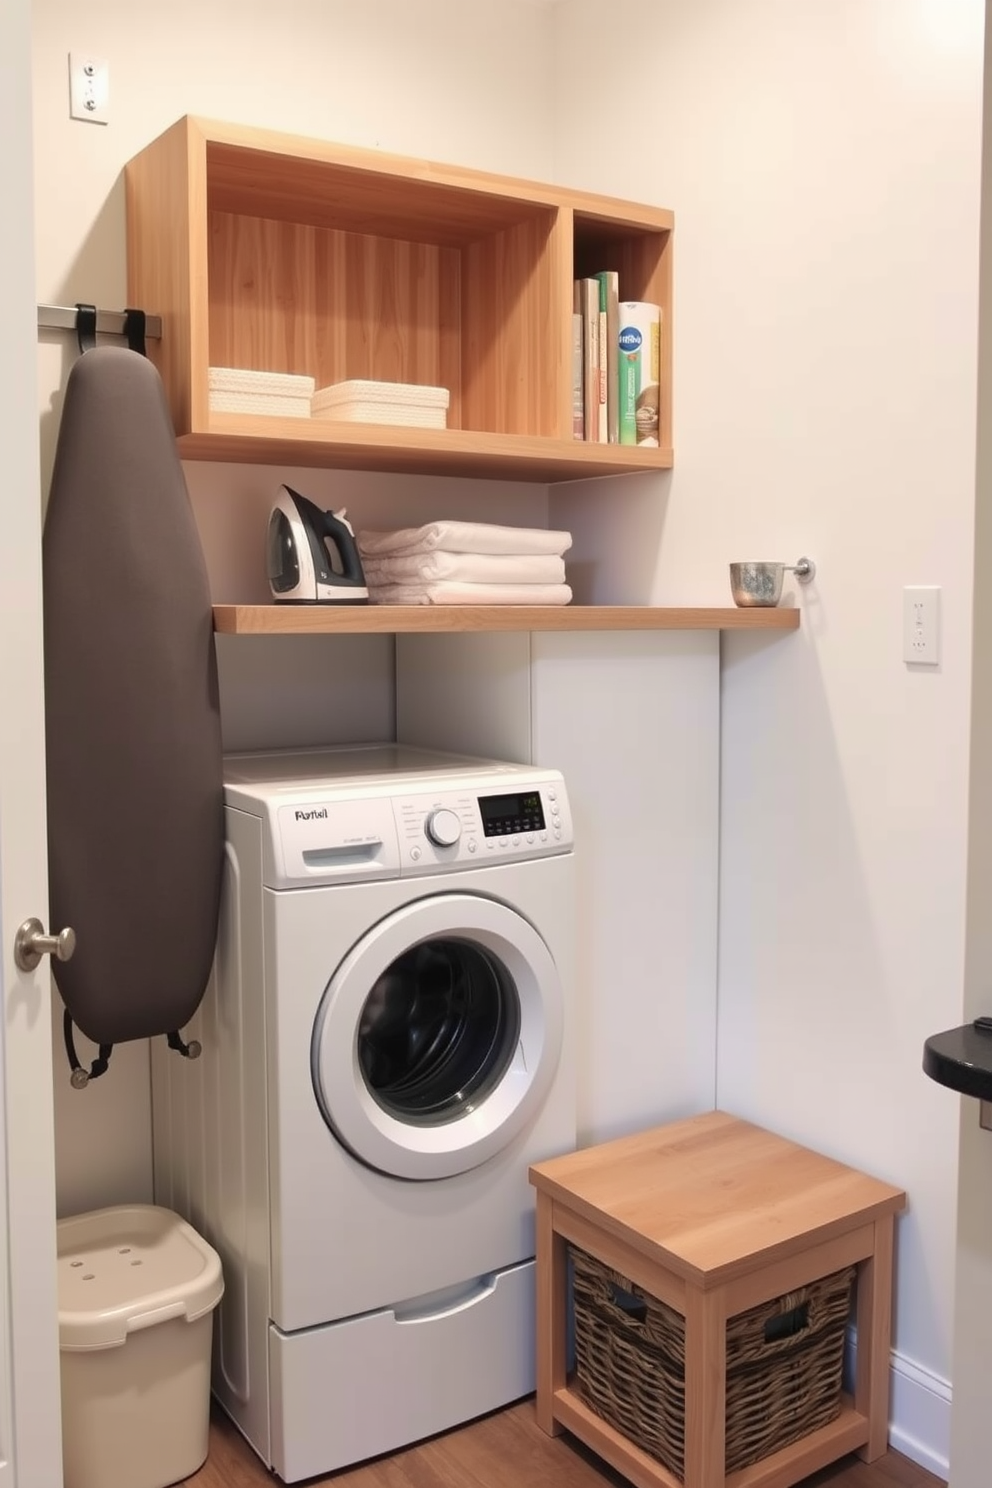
(471, 827)
(356, 814)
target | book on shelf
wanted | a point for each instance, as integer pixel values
(609, 309)
(596, 361)
(601, 423)
(591, 388)
(578, 395)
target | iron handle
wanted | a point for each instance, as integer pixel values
(31, 943)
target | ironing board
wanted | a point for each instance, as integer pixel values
(134, 755)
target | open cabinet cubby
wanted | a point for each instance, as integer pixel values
(280, 254)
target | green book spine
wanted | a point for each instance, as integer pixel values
(630, 386)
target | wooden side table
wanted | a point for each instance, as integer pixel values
(713, 1216)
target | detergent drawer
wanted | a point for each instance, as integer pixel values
(353, 1389)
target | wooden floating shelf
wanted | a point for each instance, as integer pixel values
(389, 619)
(455, 452)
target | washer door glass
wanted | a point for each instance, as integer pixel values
(438, 1030)
(438, 1037)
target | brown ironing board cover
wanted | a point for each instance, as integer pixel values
(135, 813)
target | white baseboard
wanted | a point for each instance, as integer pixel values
(919, 1411)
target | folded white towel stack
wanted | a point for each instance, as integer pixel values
(465, 563)
(467, 568)
(465, 537)
(447, 592)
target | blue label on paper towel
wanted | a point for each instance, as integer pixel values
(630, 339)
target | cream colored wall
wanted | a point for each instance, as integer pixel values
(466, 84)
(823, 163)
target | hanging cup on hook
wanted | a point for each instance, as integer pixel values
(761, 583)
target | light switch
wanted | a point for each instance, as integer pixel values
(89, 88)
(921, 625)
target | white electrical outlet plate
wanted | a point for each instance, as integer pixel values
(921, 625)
(89, 88)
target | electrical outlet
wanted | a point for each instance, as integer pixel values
(89, 88)
(921, 625)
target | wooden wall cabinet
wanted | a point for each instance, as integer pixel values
(283, 254)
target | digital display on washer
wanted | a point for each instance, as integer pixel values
(504, 816)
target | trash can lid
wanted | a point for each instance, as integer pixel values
(130, 1267)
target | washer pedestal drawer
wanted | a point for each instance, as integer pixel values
(353, 1389)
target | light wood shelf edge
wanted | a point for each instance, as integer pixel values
(236, 438)
(330, 619)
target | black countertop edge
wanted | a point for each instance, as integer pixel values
(961, 1059)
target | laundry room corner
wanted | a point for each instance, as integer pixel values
(683, 869)
(288, 691)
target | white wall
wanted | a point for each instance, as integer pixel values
(631, 719)
(465, 84)
(823, 163)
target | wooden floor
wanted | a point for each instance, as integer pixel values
(504, 1450)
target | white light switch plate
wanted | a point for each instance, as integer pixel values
(921, 625)
(89, 88)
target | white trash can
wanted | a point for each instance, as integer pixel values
(137, 1287)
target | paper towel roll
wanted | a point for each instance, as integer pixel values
(639, 362)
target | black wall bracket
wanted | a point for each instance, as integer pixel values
(961, 1059)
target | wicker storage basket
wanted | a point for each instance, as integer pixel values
(784, 1364)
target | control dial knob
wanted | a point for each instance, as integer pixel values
(443, 827)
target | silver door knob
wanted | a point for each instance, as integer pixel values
(31, 943)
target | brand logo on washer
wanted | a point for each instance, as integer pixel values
(317, 814)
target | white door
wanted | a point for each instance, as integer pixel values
(30, 1442)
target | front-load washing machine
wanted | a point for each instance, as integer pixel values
(386, 1046)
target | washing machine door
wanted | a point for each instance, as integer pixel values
(438, 1036)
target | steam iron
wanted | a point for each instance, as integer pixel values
(312, 554)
